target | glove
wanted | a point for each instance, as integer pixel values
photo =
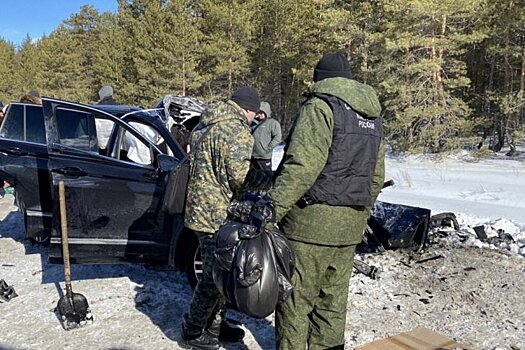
(263, 212)
(258, 180)
(240, 210)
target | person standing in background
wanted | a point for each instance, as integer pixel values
(106, 96)
(266, 135)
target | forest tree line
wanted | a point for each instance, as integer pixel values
(446, 71)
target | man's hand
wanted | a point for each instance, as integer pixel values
(258, 180)
(263, 212)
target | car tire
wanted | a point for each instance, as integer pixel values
(193, 262)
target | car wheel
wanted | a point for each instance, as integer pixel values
(193, 266)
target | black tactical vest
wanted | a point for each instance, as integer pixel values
(346, 179)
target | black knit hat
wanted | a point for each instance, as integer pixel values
(332, 65)
(247, 98)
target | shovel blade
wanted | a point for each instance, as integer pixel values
(74, 311)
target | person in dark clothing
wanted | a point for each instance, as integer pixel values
(106, 96)
(332, 174)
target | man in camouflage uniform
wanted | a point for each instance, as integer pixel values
(333, 171)
(222, 147)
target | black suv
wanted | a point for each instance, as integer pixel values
(115, 170)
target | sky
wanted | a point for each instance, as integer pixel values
(40, 17)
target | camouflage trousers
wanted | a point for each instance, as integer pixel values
(207, 301)
(314, 317)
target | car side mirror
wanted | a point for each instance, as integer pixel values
(165, 162)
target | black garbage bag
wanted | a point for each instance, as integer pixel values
(250, 271)
(285, 259)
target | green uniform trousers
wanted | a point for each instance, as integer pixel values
(207, 301)
(314, 317)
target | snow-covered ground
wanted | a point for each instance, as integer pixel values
(489, 189)
(470, 294)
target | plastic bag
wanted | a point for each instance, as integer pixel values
(285, 259)
(250, 271)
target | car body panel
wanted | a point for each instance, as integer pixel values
(111, 203)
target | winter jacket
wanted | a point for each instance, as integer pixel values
(305, 158)
(108, 100)
(218, 167)
(267, 135)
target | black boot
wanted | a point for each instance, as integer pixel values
(225, 332)
(204, 341)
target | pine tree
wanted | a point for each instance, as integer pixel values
(8, 82)
(499, 70)
(424, 76)
(61, 66)
(165, 42)
(28, 64)
(112, 63)
(82, 30)
(225, 62)
(288, 40)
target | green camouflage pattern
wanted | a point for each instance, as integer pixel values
(305, 158)
(218, 167)
(323, 237)
(207, 300)
(314, 317)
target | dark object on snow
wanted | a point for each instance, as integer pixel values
(444, 219)
(393, 226)
(6, 292)
(505, 236)
(253, 270)
(435, 257)
(365, 269)
(480, 232)
(72, 307)
(502, 235)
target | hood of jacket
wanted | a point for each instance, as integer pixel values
(361, 97)
(265, 107)
(223, 111)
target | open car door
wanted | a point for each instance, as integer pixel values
(113, 199)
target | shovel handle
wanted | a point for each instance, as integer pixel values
(65, 241)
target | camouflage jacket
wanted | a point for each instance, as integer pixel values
(305, 158)
(219, 165)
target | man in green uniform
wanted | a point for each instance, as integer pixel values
(333, 171)
(222, 146)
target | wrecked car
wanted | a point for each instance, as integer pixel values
(115, 170)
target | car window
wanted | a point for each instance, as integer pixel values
(75, 129)
(35, 129)
(13, 126)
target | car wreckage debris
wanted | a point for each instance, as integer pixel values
(367, 270)
(6, 292)
(435, 257)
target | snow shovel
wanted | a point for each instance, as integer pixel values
(72, 307)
